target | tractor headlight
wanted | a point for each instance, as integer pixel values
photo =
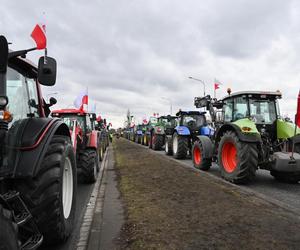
(3, 101)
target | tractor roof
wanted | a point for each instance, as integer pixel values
(69, 111)
(256, 94)
(167, 117)
(23, 65)
(190, 113)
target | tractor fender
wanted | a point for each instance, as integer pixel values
(182, 130)
(249, 137)
(207, 146)
(159, 130)
(28, 140)
(93, 140)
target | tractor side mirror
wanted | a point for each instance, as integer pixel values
(4, 54)
(47, 71)
(52, 101)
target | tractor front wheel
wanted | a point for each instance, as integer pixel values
(157, 141)
(51, 195)
(180, 146)
(199, 160)
(88, 166)
(237, 160)
(168, 145)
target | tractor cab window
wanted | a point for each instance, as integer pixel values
(193, 121)
(227, 109)
(88, 123)
(153, 120)
(22, 95)
(240, 108)
(69, 121)
(263, 111)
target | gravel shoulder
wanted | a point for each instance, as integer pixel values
(168, 206)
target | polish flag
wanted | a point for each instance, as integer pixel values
(81, 101)
(39, 36)
(217, 84)
(297, 118)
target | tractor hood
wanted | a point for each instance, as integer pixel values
(247, 126)
(286, 129)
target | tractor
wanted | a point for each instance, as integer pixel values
(169, 131)
(249, 134)
(100, 125)
(158, 131)
(149, 126)
(189, 125)
(37, 163)
(138, 133)
(86, 141)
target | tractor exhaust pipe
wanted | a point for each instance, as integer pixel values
(3, 64)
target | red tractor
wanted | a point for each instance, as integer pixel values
(38, 177)
(86, 141)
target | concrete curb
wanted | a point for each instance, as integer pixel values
(86, 224)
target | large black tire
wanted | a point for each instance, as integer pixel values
(237, 160)
(139, 139)
(157, 141)
(199, 160)
(88, 166)
(169, 145)
(286, 177)
(44, 194)
(8, 232)
(101, 151)
(180, 146)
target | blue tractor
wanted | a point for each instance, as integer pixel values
(189, 125)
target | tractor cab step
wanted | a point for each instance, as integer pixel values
(33, 242)
(16, 204)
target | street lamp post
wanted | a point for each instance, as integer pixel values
(199, 80)
(169, 100)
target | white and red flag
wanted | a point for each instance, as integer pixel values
(81, 101)
(297, 118)
(39, 36)
(217, 84)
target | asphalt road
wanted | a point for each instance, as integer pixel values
(264, 185)
(83, 195)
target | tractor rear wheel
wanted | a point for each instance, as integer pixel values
(180, 146)
(237, 160)
(51, 195)
(157, 141)
(88, 166)
(199, 160)
(286, 177)
(168, 145)
(8, 232)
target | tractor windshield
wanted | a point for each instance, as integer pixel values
(263, 111)
(22, 95)
(193, 121)
(70, 118)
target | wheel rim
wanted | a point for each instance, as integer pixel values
(67, 192)
(166, 147)
(175, 144)
(197, 155)
(229, 157)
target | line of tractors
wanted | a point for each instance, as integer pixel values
(242, 132)
(41, 156)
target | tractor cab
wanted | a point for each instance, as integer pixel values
(259, 107)
(79, 123)
(193, 120)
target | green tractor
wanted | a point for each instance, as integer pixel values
(249, 134)
(157, 133)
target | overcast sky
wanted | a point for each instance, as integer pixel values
(131, 53)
